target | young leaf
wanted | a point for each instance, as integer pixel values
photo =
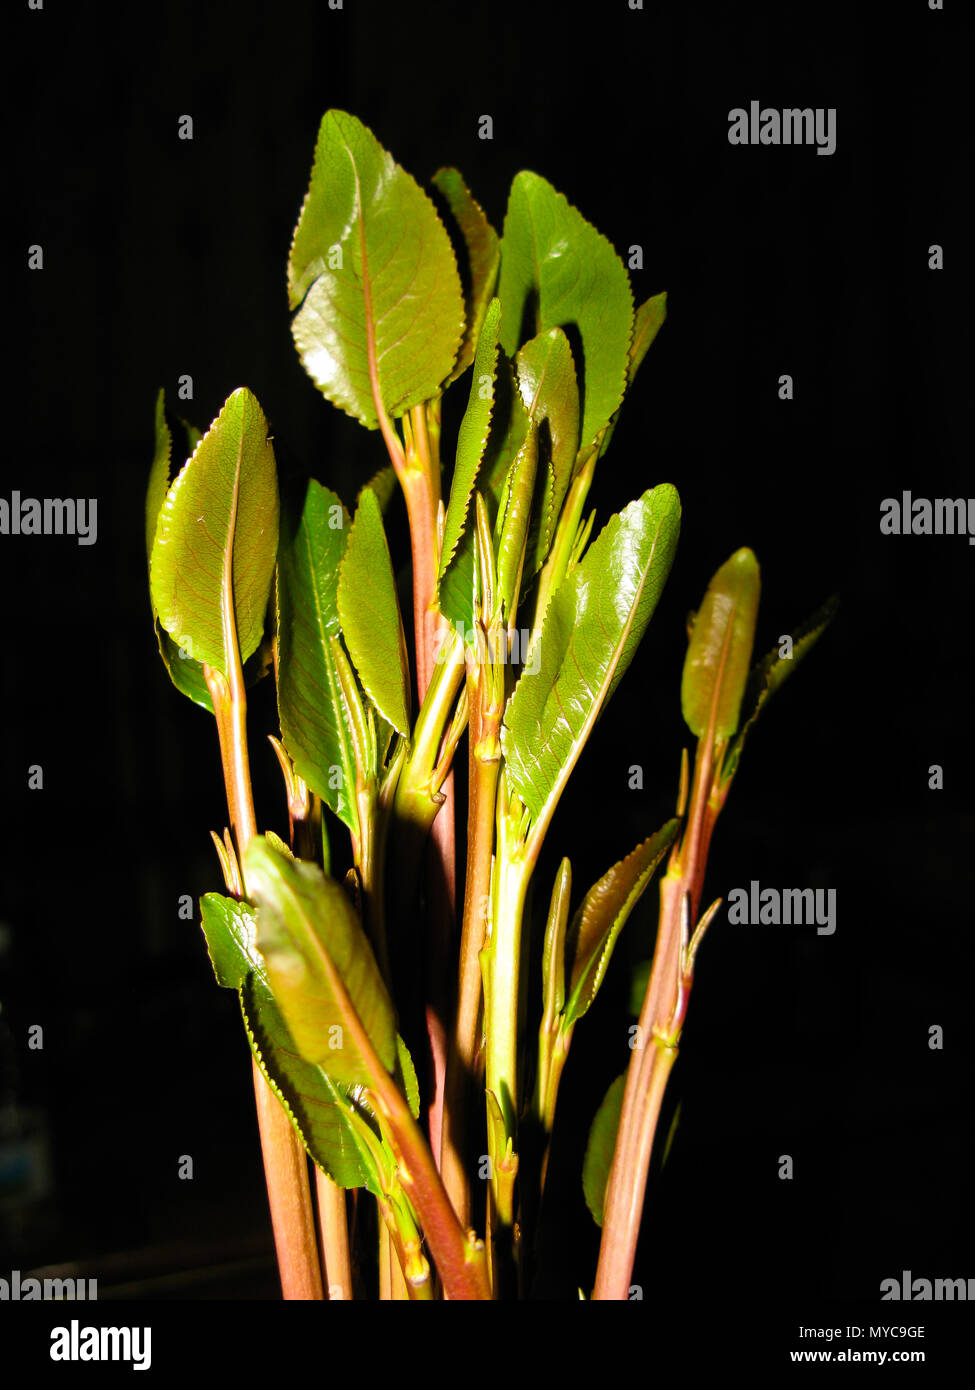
(647, 323)
(547, 381)
(373, 277)
(406, 1076)
(216, 540)
(369, 612)
(765, 678)
(473, 435)
(553, 950)
(311, 706)
(483, 255)
(185, 673)
(159, 473)
(552, 259)
(720, 649)
(511, 528)
(602, 916)
(318, 1108)
(320, 967)
(599, 1149)
(509, 427)
(592, 627)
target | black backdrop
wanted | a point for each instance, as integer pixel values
(164, 257)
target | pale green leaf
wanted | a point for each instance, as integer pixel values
(591, 630)
(647, 322)
(320, 966)
(550, 392)
(216, 540)
(311, 705)
(318, 1107)
(557, 271)
(483, 256)
(369, 612)
(373, 278)
(473, 435)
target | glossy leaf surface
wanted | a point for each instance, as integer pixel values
(216, 540)
(592, 627)
(314, 718)
(369, 613)
(720, 650)
(373, 278)
(473, 435)
(483, 256)
(602, 916)
(557, 271)
(320, 966)
(550, 392)
(185, 673)
(317, 1106)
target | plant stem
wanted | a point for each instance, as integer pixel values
(661, 1020)
(500, 964)
(334, 1227)
(482, 796)
(459, 1257)
(285, 1164)
(645, 1086)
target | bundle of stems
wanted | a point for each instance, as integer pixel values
(350, 966)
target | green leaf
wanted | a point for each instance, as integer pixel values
(766, 678)
(720, 648)
(159, 473)
(216, 540)
(185, 673)
(591, 630)
(318, 1108)
(231, 937)
(553, 950)
(473, 435)
(509, 427)
(320, 966)
(369, 612)
(406, 1076)
(560, 272)
(599, 1149)
(483, 256)
(602, 916)
(647, 323)
(314, 718)
(511, 527)
(373, 278)
(550, 392)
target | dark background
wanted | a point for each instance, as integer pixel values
(164, 257)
